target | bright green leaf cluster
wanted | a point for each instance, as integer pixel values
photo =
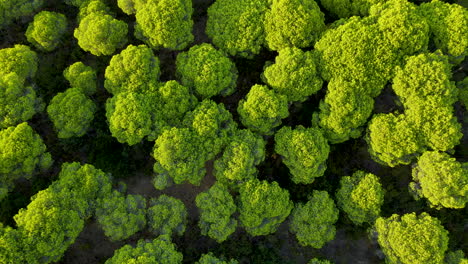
(166, 216)
(237, 26)
(180, 157)
(304, 151)
(159, 251)
(20, 59)
(165, 23)
(93, 7)
(449, 26)
(14, 9)
(101, 34)
(22, 153)
(213, 124)
(216, 207)
(293, 23)
(46, 31)
(211, 259)
(135, 69)
(263, 109)
(313, 222)
(238, 163)
(412, 239)
(17, 102)
(263, 206)
(71, 112)
(294, 74)
(318, 261)
(48, 226)
(121, 216)
(425, 90)
(347, 8)
(360, 196)
(344, 110)
(441, 179)
(82, 77)
(11, 246)
(207, 70)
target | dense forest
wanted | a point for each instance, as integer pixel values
(233, 131)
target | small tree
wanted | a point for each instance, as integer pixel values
(206, 70)
(101, 34)
(216, 207)
(293, 23)
(165, 23)
(294, 74)
(82, 77)
(166, 216)
(17, 102)
(11, 245)
(161, 250)
(211, 259)
(304, 151)
(214, 125)
(120, 217)
(71, 112)
(263, 206)
(237, 26)
(14, 9)
(262, 110)
(360, 197)
(20, 59)
(47, 29)
(313, 222)
(238, 163)
(412, 238)
(180, 157)
(135, 69)
(441, 179)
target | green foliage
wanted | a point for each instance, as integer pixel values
(101, 34)
(130, 117)
(82, 183)
(48, 227)
(360, 197)
(263, 206)
(127, 6)
(22, 153)
(392, 141)
(216, 207)
(165, 23)
(207, 70)
(82, 77)
(238, 163)
(120, 217)
(135, 69)
(211, 259)
(77, 3)
(456, 257)
(313, 222)
(294, 74)
(237, 26)
(167, 215)
(174, 102)
(159, 251)
(262, 109)
(347, 8)
(344, 110)
(318, 261)
(412, 239)
(71, 112)
(14, 9)
(93, 7)
(304, 151)
(463, 92)
(293, 23)
(441, 179)
(449, 27)
(20, 59)
(11, 246)
(213, 124)
(46, 31)
(17, 102)
(179, 156)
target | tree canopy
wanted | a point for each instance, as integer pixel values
(82, 77)
(166, 216)
(47, 30)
